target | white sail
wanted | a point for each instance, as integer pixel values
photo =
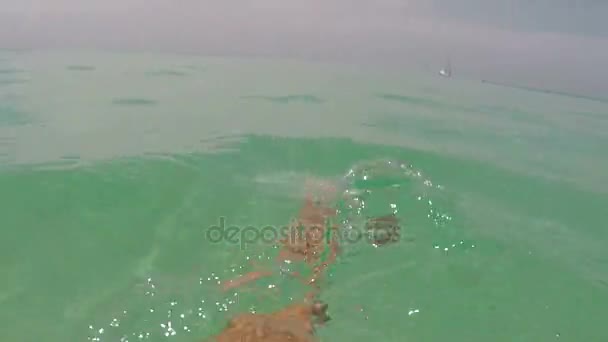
(447, 71)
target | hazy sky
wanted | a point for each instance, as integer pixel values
(562, 44)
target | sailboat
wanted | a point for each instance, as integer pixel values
(447, 71)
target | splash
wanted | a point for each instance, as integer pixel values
(377, 194)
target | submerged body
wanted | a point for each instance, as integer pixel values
(309, 239)
(293, 323)
(312, 241)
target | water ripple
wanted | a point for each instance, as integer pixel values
(80, 67)
(134, 101)
(305, 98)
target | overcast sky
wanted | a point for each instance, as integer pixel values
(560, 44)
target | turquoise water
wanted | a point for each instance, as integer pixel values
(113, 167)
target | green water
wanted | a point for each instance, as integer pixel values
(113, 167)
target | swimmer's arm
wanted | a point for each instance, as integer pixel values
(245, 279)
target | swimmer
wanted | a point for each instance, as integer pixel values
(294, 323)
(310, 241)
(309, 238)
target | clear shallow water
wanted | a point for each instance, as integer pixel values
(113, 165)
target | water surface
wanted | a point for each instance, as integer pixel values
(112, 167)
